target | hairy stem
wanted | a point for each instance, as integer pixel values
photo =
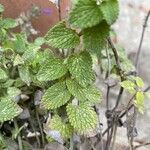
(141, 41)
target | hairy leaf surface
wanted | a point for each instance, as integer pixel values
(62, 37)
(89, 93)
(24, 74)
(56, 96)
(110, 10)
(82, 117)
(86, 13)
(8, 109)
(52, 69)
(95, 38)
(80, 66)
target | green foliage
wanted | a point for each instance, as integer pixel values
(3, 74)
(56, 96)
(86, 13)
(135, 85)
(94, 38)
(1, 8)
(8, 109)
(62, 37)
(139, 103)
(89, 93)
(110, 10)
(57, 124)
(61, 78)
(8, 23)
(82, 117)
(128, 85)
(52, 69)
(80, 67)
(24, 74)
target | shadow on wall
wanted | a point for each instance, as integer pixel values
(49, 13)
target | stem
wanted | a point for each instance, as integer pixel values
(116, 57)
(40, 126)
(119, 98)
(108, 74)
(59, 10)
(119, 71)
(139, 146)
(71, 144)
(36, 136)
(125, 112)
(114, 137)
(18, 137)
(141, 41)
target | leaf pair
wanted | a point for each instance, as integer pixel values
(87, 13)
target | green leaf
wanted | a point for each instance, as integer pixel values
(57, 124)
(140, 101)
(3, 74)
(39, 41)
(128, 85)
(8, 109)
(80, 66)
(52, 69)
(8, 23)
(139, 82)
(86, 13)
(62, 37)
(94, 38)
(20, 44)
(24, 74)
(56, 96)
(8, 83)
(18, 60)
(1, 8)
(110, 10)
(82, 117)
(90, 93)
(13, 92)
(30, 53)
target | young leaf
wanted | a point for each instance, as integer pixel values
(1, 8)
(3, 74)
(86, 13)
(18, 60)
(140, 101)
(110, 10)
(82, 117)
(56, 96)
(128, 85)
(24, 74)
(94, 38)
(139, 82)
(89, 93)
(57, 124)
(80, 66)
(19, 44)
(8, 23)
(52, 69)
(8, 109)
(62, 37)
